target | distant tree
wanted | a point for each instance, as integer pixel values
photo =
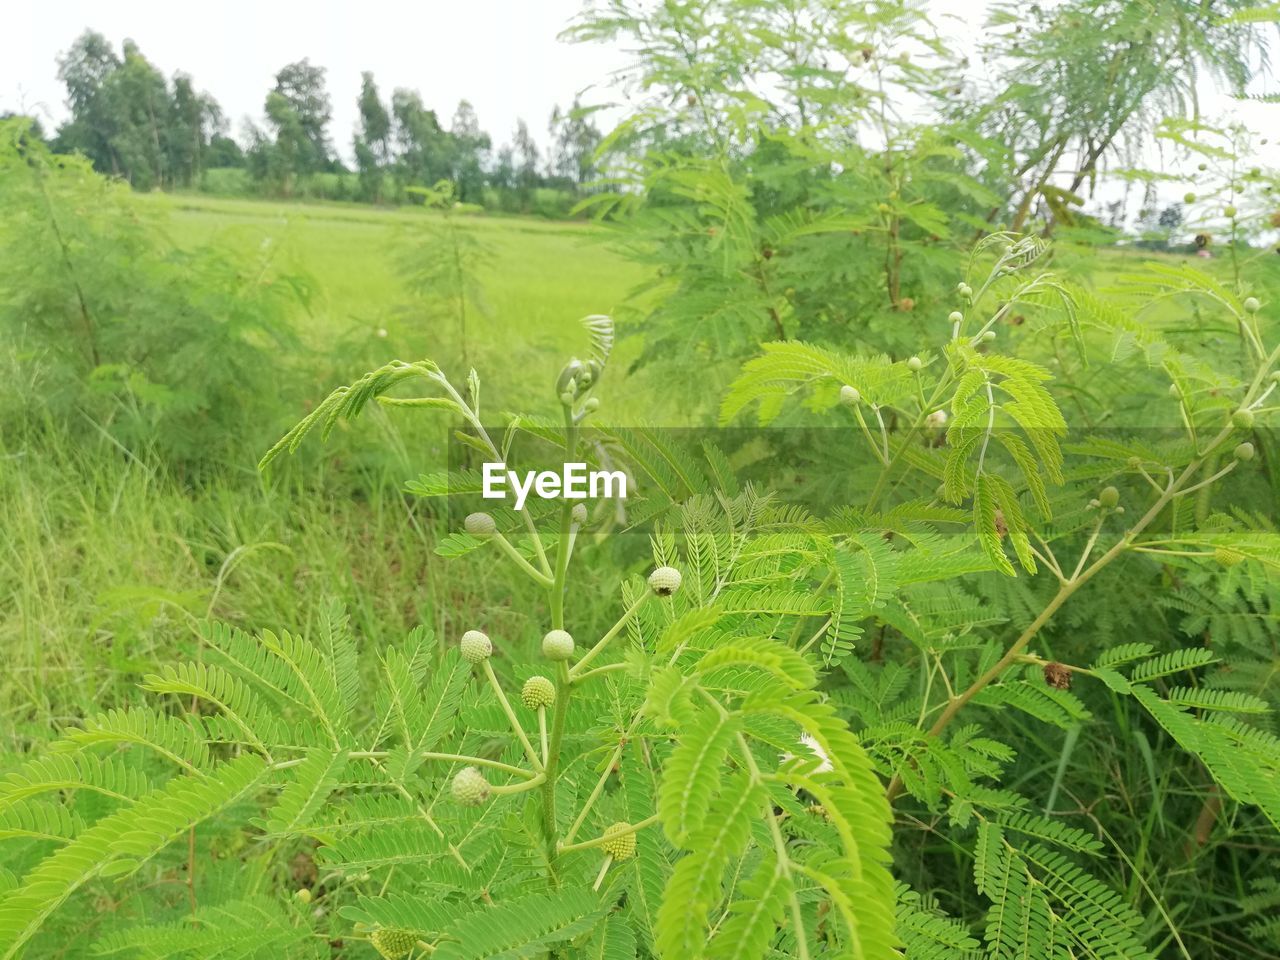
(1171, 217)
(423, 151)
(84, 69)
(525, 159)
(298, 110)
(372, 142)
(224, 151)
(574, 140)
(195, 121)
(470, 146)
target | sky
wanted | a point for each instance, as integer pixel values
(502, 55)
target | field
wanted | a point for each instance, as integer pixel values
(933, 618)
(107, 561)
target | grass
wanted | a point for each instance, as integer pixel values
(107, 564)
(543, 278)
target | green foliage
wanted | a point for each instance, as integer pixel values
(154, 344)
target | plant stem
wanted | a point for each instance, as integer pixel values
(531, 753)
(1064, 593)
(602, 839)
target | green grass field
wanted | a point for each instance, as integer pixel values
(108, 563)
(543, 277)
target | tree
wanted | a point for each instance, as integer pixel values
(470, 145)
(422, 147)
(83, 70)
(373, 141)
(298, 110)
(574, 140)
(525, 160)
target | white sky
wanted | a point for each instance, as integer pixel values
(502, 55)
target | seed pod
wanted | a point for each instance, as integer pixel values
(665, 581)
(1108, 497)
(469, 787)
(393, 944)
(1242, 419)
(914, 364)
(557, 645)
(479, 524)
(849, 396)
(538, 692)
(1244, 452)
(1251, 305)
(578, 514)
(621, 841)
(476, 646)
(1058, 676)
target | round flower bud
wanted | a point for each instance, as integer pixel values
(955, 316)
(914, 364)
(989, 335)
(1108, 497)
(1242, 419)
(1093, 504)
(966, 290)
(475, 646)
(1174, 391)
(578, 514)
(1202, 167)
(1227, 557)
(469, 787)
(393, 944)
(936, 419)
(1251, 305)
(592, 404)
(1229, 212)
(557, 645)
(849, 395)
(1243, 452)
(664, 581)
(884, 208)
(302, 895)
(479, 524)
(1189, 198)
(566, 398)
(538, 692)
(620, 841)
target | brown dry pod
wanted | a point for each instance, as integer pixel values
(1058, 676)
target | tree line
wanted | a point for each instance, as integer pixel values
(133, 122)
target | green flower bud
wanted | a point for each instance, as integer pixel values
(393, 944)
(538, 692)
(1244, 452)
(620, 842)
(1189, 198)
(1251, 305)
(914, 364)
(849, 395)
(479, 524)
(664, 581)
(578, 514)
(469, 787)
(955, 316)
(1229, 212)
(475, 646)
(557, 645)
(1108, 497)
(1242, 419)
